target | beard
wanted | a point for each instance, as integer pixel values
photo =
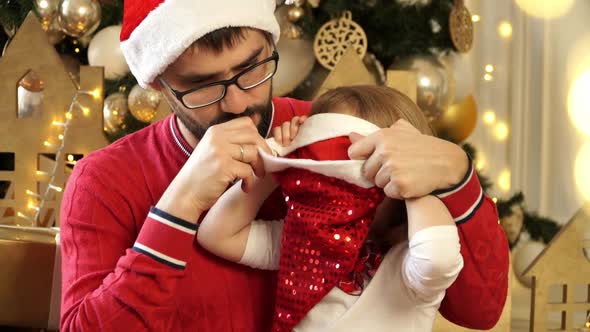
(198, 130)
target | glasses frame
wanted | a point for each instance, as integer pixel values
(225, 83)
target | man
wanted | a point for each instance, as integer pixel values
(130, 211)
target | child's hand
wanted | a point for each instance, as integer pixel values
(286, 133)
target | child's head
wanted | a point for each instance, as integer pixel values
(382, 106)
(379, 105)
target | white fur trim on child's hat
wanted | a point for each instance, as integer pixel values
(317, 128)
(156, 32)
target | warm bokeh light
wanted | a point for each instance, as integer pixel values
(545, 8)
(475, 18)
(579, 102)
(488, 77)
(504, 181)
(501, 131)
(505, 29)
(489, 117)
(56, 188)
(480, 162)
(582, 171)
(489, 68)
(95, 93)
(578, 56)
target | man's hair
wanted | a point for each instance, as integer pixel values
(218, 40)
(379, 105)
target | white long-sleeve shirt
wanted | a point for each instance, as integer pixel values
(404, 294)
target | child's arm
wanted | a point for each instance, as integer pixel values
(225, 229)
(434, 259)
(425, 212)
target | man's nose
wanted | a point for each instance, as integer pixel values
(235, 100)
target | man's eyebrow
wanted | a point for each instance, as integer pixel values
(197, 78)
(250, 60)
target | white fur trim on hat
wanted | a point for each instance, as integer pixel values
(318, 128)
(174, 25)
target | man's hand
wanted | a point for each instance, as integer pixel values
(406, 163)
(286, 133)
(227, 152)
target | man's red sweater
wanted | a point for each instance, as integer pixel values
(125, 268)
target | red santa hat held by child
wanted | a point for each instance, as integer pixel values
(330, 208)
(156, 32)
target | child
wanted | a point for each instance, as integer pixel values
(338, 239)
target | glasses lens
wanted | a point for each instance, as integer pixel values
(204, 96)
(257, 75)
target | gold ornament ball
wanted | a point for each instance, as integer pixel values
(436, 85)
(114, 111)
(297, 58)
(32, 82)
(143, 103)
(53, 31)
(292, 31)
(458, 121)
(79, 17)
(46, 9)
(295, 14)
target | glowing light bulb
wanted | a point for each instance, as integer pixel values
(505, 29)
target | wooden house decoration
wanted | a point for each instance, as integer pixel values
(350, 70)
(560, 298)
(30, 130)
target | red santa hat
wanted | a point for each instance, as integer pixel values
(156, 32)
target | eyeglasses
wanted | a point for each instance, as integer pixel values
(211, 93)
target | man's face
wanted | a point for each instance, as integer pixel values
(198, 66)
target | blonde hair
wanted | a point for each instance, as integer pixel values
(380, 105)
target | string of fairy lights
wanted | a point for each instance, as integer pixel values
(52, 186)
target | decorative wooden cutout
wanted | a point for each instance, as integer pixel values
(563, 262)
(31, 51)
(404, 81)
(350, 70)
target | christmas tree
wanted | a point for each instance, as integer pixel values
(402, 35)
